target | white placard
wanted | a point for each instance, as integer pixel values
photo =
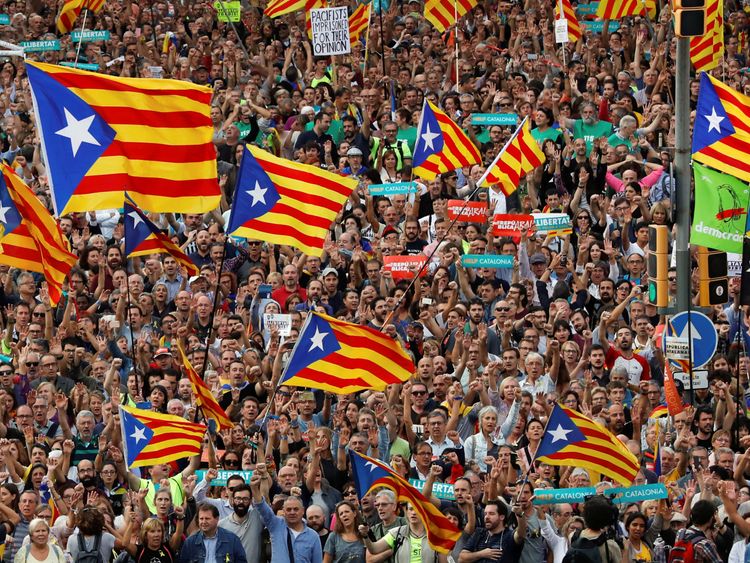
(330, 31)
(734, 264)
(282, 323)
(677, 348)
(700, 379)
(561, 31)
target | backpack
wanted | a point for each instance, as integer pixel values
(684, 549)
(584, 550)
(89, 555)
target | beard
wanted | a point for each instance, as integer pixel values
(242, 510)
(589, 120)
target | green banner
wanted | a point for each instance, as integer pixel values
(4, 19)
(82, 66)
(229, 12)
(720, 210)
(92, 35)
(40, 46)
(494, 119)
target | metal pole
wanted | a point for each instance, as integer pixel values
(682, 166)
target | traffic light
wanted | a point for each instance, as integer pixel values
(689, 18)
(712, 271)
(658, 265)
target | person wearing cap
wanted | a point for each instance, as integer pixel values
(354, 165)
(163, 358)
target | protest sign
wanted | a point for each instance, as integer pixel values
(281, 323)
(439, 490)
(553, 223)
(619, 495)
(506, 225)
(487, 261)
(4, 19)
(494, 119)
(404, 267)
(474, 212)
(330, 31)
(221, 478)
(40, 46)
(90, 35)
(229, 11)
(392, 188)
(84, 66)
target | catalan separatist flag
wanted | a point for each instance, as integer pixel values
(721, 132)
(203, 396)
(143, 238)
(520, 155)
(276, 8)
(72, 9)
(285, 202)
(572, 439)
(568, 13)
(659, 412)
(359, 21)
(30, 238)
(618, 9)
(312, 5)
(151, 438)
(442, 13)
(341, 357)
(441, 146)
(370, 474)
(706, 51)
(105, 135)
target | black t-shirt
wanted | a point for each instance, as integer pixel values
(482, 539)
(162, 555)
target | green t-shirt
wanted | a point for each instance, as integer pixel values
(409, 135)
(336, 130)
(615, 140)
(400, 447)
(590, 132)
(175, 486)
(414, 542)
(541, 136)
(244, 129)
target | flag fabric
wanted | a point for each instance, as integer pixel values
(659, 412)
(573, 439)
(721, 132)
(72, 9)
(707, 50)
(276, 8)
(442, 13)
(574, 28)
(341, 357)
(674, 402)
(151, 438)
(721, 202)
(143, 238)
(30, 238)
(520, 155)
(284, 202)
(203, 396)
(371, 474)
(104, 135)
(359, 22)
(441, 145)
(311, 5)
(618, 9)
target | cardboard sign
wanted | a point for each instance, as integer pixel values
(229, 12)
(557, 223)
(84, 66)
(506, 225)
(393, 188)
(439, 490)
(282, 323)
(561, 31)
(90, 35)
(494, 119)
(474, 212)
(700, 378)
(224, 474)
(40, 46)
(487, 261)
(330, 31)
(404, 267)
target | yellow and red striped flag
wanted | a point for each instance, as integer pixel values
(520, 155)
(341, 357)
(284, 202)
(721, 132)
(441, 145)
(618, 9)
(203, 396)
(442, 13)
(30, 238)
(707, 50)
(72, 9)
(312, 5)
(574, 28)
(151, 438)
(572, 439)
(105, 135)
(276, 8)
(359, 21)
(370, 474)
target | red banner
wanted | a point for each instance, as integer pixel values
(474, 212)
(506, 225)
(404, 267)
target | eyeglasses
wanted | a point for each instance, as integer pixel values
(672, 279)
(419, 393)
(32, 364)
(502, 309)
(350, 492)
(232, 462)
(6, 372)
(37, 314)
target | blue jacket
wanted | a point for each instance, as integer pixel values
(306, 546)
(228, 548)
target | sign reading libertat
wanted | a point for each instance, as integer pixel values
(330, 31)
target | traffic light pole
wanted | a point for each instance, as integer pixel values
(682, 167)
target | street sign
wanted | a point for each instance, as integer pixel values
(703, 332)
(700, 379)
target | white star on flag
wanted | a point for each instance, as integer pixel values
(3, 213)
(560, 433)
(258, 194)
(78, 131)
(136, 218)
(714, 120)
(138, 435)
(317, 340)
(428, 137)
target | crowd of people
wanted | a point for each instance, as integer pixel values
(494, 349)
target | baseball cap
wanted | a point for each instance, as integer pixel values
(307, 109)
(354, 151)
(330, 270)
(195, 278)
(538, 258)
(389, 230)
(162, 352)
